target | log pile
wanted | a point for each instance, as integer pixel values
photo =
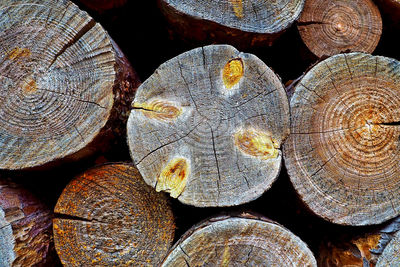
(211, 160)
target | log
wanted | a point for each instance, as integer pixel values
(342, 153)
(357, 249)
(242, 23)
(103, 5)
(207, 127)
(108, 216)
(391, 254)
(244, 240)
(331, 27)
(25, 227)
(61, 83)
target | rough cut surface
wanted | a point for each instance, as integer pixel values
(248, 21)
(331, 27)
(207, 127)
(391, 254)
(25, 227)
(108, 216)
(58, 69)
(343, 150)
(239, 241)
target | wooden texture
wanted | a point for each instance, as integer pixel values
(331, 27)
(243, 23)
(25, 227)
(244, 240)
(58, 72)
(207, 127)
(342, 153)
(108, 216)
(391, 254)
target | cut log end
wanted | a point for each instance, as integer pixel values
(329, 28)
(244, 240)
(342, 154)
(25, 228)
(108, 216)
(58, 73)
(207, 127)
(391, 254)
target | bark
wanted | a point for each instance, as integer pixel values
(332, 27)
(244, 240)
(62, 84)
(342, 153)
(109, 217)
(25, 228)
(242, 23)
(207, 127)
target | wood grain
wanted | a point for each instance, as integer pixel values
(25, 227)
(109, 217)
(244, 240)
(331, 27)
(228, 135)
(243, 23)
(58, 72)
(342, 153)
(391, 254)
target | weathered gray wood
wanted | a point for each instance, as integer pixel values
(243, 240)
(108, 216)
(25, 227)
(243, 23)
(331, 27)
(391, 254)
(207, 127)
(342, 153)
(58, 70)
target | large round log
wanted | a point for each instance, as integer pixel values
(342, 153)
(242, 23)
(244, 240)
(108, 216)
(25, 227)
(61, 80)
(391, 254)
(331, 27)
(207, 127)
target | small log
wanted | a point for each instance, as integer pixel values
(62, 79)
(207, 127)
(242, 23)
(391, 254)
(244, 240)
(108, 216)
(25, 227)
(343, 149)
(103, 5)
(331, 27)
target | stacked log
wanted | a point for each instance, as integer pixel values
(332, 27)
(25, 227)
(62, 83)
(242, 23)
(342, 153)
(207, 127)
(244, 240)
(108, 216)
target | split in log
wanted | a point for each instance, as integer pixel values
(243, 23)
(244, 240)
(108, 216)
(207, 126)
(61, 81)
(103, 5)
(331, 27)
(25, 227)
(342, 153)
(391, 254)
